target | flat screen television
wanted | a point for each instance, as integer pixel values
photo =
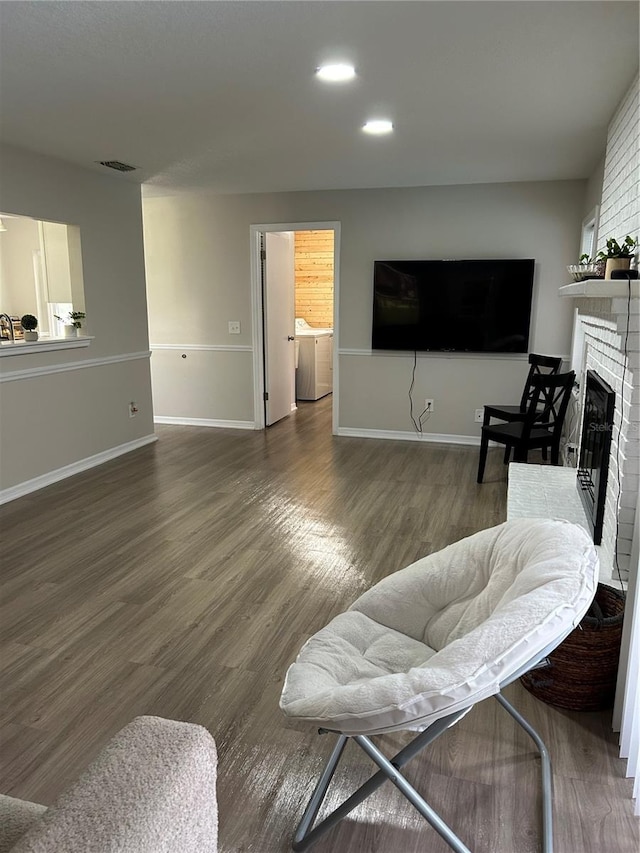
(452, 306)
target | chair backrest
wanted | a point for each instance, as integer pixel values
(548, 404)
(539, 365)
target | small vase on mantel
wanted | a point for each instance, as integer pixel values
(70, 332)
(616, 264)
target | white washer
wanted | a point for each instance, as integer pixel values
(315, 362)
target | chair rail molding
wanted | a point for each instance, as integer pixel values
(491, 356)
(32, 372)
(204, 347)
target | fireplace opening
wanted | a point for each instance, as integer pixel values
(593, 467)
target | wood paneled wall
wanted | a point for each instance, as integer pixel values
(314, 277)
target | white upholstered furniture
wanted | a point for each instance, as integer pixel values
(421, 647)
(152, 789)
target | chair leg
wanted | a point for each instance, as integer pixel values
(555, 453)
(418, 802)
(482, 461)
(320, 792)
(390, 771)
(544, 452)
(507, 453)
(547, 782)
(520, 453)
(305, 836)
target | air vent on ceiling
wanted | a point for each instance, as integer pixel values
(117, 165)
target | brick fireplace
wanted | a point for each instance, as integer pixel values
(607, 341)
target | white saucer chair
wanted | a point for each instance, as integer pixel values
(423, 646)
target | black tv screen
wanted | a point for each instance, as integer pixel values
(452, 306)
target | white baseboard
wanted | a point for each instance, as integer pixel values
(204, 422)
(43, 480)
(398, 435)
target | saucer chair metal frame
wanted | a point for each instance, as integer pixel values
(306, 834)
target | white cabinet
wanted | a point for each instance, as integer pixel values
(315, 366)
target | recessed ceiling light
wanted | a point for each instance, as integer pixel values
(378, 126)
(336, 73)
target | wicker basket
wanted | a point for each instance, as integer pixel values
(583, 671)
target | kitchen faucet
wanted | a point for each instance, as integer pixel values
(11, 332)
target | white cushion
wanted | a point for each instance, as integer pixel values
(446, 631)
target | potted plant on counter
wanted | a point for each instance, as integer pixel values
(618, 256)
(29, 323)
(72, 323)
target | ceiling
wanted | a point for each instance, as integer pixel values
(222, 95)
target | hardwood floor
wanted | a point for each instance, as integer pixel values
(181, 580)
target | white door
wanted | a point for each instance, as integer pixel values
(279, 326)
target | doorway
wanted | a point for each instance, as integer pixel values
(279, 270)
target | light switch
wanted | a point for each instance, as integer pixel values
(234, 327)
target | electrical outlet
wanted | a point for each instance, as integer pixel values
(234, 327)
(478, 417)
(428, 404)
(133, 409)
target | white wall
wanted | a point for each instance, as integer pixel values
(198, 278)
(74, 404)
(620, 205)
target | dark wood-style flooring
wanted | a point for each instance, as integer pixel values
(181, 580)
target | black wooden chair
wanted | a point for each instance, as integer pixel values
(542, 423)
(539, 365)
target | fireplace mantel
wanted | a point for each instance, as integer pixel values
(607, 288)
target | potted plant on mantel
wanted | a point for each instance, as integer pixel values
(72, 323)
(29, 323)
(618, 257)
